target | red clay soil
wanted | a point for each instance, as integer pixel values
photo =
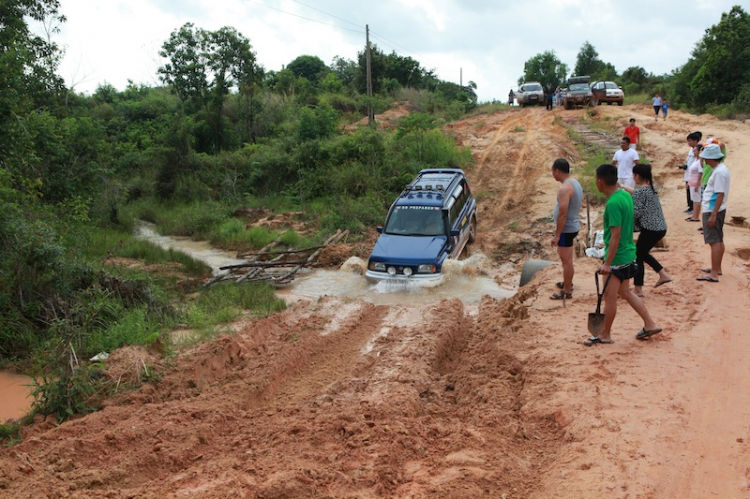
(339, 398)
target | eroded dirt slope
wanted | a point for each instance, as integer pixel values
(343, 398)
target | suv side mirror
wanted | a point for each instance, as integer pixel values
(455, 232)
(379, 229)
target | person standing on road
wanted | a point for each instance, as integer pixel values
(633, 133)
(619, 257)
(664, 108)
(567, 224)
(714, 209)
(548, 93)
(625, 159)
(694, 172)
(650, 218)
(657, 106)
(558, 96)
(510, 97)
(692, 141)
(707, 169)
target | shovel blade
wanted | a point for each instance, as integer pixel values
(596, 323)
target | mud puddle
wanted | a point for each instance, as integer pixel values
(200, 250)
(462, 279)
(15, 396)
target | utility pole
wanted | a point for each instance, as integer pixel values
(370, 112)
(461, 77)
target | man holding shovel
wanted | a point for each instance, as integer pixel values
(619, 257)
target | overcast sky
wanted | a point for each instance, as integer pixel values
(115, 41)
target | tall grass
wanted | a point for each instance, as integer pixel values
(107, 243)
(194, 220)
(223, 303)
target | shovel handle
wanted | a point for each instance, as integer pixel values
(599, 295)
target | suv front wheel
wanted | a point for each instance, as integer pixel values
(473, 230)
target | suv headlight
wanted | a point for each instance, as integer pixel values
(380, 266)
(426, 269)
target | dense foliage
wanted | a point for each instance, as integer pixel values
(77, 172)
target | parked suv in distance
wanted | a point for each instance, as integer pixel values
(530, 93)
(433, 219)
(578, 92)
(607, 91)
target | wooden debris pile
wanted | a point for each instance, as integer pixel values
(276, 267)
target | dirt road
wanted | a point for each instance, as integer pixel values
(343, 398)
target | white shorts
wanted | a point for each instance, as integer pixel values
(695, 194)
(627, 182)
(634, 146)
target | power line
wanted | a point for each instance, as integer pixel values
(326, 13)
(377, 35)
(361, 32)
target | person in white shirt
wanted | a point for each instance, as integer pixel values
(625, 159)
(714, 208)
(694, 174)
(692, 140)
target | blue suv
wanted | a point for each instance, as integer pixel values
(433, 219)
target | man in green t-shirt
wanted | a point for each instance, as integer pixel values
(619, 256)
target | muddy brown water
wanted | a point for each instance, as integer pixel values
(15, 396)
(462, 279)
(200, 250)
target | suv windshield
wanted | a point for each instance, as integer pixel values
(579, 86)
(610, 84)
(415, 221)
(532, 88)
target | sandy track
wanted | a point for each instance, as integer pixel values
(342, 398)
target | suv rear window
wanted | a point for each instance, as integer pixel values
(415, 221)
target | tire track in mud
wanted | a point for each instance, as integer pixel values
(334, 358)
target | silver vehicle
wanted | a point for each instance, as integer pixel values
(530, 93)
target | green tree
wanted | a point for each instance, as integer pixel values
(405, 70)
(309, 67)
(720, 63)
(378, 69)
(587, 61)
(545, 68)
(27, 76)
(346, 70)
(204, 66)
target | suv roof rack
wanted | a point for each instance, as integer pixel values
(434, 180)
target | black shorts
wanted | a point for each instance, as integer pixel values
(625, 272)
(566, 239)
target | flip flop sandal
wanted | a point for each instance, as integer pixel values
(706, 278)
(692, 220)
(708, 271)
(561, 296)
(595, 339)
(644, 333)
(561, 285)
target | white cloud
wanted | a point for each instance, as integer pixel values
(117, 40)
